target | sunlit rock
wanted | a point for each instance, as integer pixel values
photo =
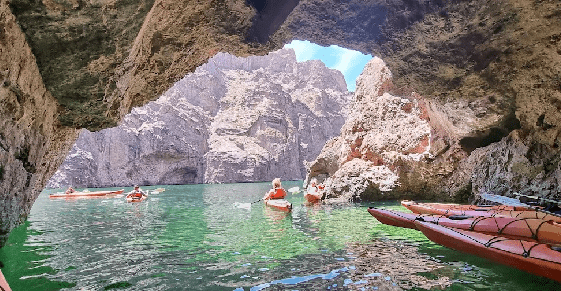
(396, 143)
(233, 120)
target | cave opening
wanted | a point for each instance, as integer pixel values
(349, 62)
(169, 122)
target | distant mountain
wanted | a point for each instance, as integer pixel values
(233, 120)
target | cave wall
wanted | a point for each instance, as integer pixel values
(71, 64)
(84, 64)
(502, 56)
(32, 142)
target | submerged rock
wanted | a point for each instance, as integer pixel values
(233, 120)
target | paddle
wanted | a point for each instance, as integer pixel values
(246, 205)
(514, 202)
(503, 200)
(538, 199)
(295, 190)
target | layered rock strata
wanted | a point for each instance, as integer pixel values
(233, 120)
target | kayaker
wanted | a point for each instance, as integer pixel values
(70, 190)
(277, 192)
(137, 193)
(313, 187)
(313, 192)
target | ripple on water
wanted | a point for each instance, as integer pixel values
(193, 237)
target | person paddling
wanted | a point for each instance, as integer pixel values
(277, 192)
(137, 193)
(70, 190)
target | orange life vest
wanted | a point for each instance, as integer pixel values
(135, 194)
(278, 194)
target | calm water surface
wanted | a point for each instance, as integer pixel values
(199, 237)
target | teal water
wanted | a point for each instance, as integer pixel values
(199, 237)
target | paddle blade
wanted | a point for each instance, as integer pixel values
(242, 205)
(502, 200)
(293, 190)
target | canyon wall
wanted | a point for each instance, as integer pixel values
(90, 62)
(233, 120)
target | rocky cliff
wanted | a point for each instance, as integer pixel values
(232, 120)
(487, 74)
(98, 59)
(397, 144)
(31, 137)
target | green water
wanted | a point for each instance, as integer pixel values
(203, 237)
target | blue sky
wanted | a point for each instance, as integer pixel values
(349, 62)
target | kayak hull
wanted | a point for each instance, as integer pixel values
(3, 283)
(279, 204)
(311, 198)
(532, 257)
(422, 208)
(452, 206)
(520, 228)
(87, 194)
(135, 199)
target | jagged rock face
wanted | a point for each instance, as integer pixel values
(160, 143)
(513, 165)
(395, 144)
(233, 120)
(101, 58)
(381, 129)
(470, 60)
(31, 140)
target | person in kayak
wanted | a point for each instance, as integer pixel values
(70, 190)
(277, 192)
(314, 190)
(137, 193)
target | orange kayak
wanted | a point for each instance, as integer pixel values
(532, 257)
(87, 194)
(421, 208)
(3, 283)
(520, 228)
(279, 204)
(311, 198)
(135, 199)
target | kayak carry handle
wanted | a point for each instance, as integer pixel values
(459, 217)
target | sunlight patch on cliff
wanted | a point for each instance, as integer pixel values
(349, 62)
